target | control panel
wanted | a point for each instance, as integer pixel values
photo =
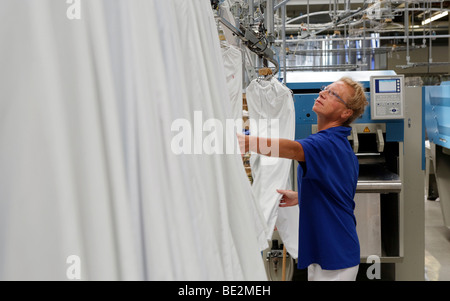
(387, 97)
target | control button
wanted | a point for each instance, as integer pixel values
(395, 110)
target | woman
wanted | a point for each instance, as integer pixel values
(327, 178)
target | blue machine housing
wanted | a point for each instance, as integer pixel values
(437, 113)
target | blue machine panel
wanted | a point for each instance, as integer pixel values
(306, 93)
(437, 113)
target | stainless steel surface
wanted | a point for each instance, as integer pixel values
(376, 178)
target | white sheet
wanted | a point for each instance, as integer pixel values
(232, 61)
(227, 15)
(271, 109)
(86, 165)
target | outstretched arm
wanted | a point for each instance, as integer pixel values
(272, 147)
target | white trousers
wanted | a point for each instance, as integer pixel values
(315, 273)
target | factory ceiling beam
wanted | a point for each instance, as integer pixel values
(319, 2)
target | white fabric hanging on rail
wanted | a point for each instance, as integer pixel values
(90, 186)
(63, 195)
(228, 16)
(232, 61)
(272, 114)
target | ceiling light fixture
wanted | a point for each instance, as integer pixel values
(435, 17)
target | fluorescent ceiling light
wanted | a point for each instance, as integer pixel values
(435, 17)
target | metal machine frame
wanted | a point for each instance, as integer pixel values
(437, 116)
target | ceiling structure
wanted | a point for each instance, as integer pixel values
(359, 18)
(336, 27)
(340, 34)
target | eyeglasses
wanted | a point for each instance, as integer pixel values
(325, 88)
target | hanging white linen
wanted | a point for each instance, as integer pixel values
(272, 114)
(232, 61)
(86, 164)
(231, 38)
(238, 191)
(63, 189)
(227, 15)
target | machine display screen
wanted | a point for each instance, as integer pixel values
(386, 97)
(387, 86)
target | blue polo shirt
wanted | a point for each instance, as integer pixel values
(327, 185)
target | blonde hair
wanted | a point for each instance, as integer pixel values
(357, 102)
